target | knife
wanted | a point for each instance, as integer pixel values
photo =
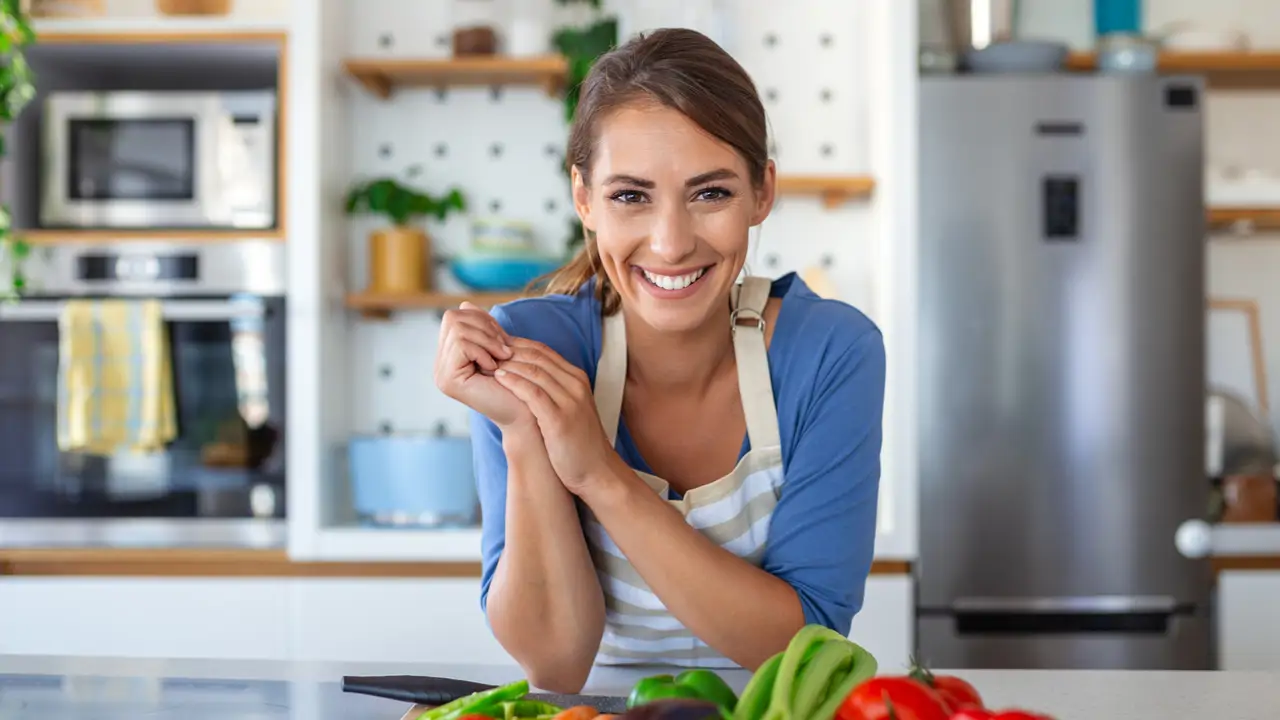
(424, 690)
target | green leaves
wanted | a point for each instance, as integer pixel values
(400, 204)
(17, 90)
(581, 47)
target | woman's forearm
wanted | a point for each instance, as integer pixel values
(545, 605)
(711, 591)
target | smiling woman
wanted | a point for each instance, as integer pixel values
(676, 464)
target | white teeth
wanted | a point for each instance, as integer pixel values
(676, 282)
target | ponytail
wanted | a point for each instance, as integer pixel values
(570, 278)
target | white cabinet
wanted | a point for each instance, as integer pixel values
(884, 627)
(391, 619)
(1248, 613)
(144, 617)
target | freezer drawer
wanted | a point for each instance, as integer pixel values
(1121, 640)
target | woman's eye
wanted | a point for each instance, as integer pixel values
(628, 196)
(713, 194)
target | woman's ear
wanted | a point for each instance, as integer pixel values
(765, 195)
(582, 199)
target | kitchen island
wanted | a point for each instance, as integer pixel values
(83, 688)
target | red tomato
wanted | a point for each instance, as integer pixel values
(972, 713)
(899, 698)
(976, 713)
(955, 692)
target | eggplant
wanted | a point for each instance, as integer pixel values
(673, 709)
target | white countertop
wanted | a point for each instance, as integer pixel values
(77, 688)
(1246, 539)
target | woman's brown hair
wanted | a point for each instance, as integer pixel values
(677, 68)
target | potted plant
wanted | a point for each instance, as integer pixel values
(16, 90)
(399, 254)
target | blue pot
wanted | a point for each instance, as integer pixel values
(413, 480)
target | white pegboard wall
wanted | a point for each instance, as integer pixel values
(504, 151)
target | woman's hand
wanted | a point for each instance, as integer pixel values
(558, 394)
(472, 344)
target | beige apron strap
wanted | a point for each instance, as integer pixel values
(611, 374)
(754, 382)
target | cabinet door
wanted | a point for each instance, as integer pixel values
(1249, 620)
(391, 620)
(144, 617)
(884, 625)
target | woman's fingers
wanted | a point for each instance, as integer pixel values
(539, 375)
(477, 313)
(533, 395)
(566, 374)
(478, 328)
(472, 342)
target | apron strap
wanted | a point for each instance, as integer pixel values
(751, 352)
(611, 374)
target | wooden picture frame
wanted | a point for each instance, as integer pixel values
(1253, 316)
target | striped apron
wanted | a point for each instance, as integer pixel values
(733, 511)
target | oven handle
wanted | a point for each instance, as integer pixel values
(178, 310)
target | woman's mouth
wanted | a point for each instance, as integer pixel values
(675, 285)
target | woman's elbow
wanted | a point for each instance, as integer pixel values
(557, 675)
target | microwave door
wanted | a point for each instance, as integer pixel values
(131, 159)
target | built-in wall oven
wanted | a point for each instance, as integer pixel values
(224, 312)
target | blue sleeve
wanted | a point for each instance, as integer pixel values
(565, 325)
(822, 535)
(491, 483)
(490, 465)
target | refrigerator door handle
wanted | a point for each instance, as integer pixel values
(1087, 604)
(1149, 615)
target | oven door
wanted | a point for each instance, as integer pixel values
(228, 360)
(158, 160)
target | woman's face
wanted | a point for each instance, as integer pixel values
(670, 206)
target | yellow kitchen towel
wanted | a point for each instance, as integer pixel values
(115, 384)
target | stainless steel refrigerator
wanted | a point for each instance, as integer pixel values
(1062, 385)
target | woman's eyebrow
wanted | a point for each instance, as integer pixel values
(720, 174)
(629, 180)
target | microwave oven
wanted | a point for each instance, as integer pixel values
(159, 160)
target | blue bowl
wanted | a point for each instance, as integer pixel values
(502, 273)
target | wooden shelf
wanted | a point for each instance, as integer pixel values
(381, 305)
(56, 237)
(1244, 220)
(834, 190)
(1239, 70)
(133, 31)
(383, 75)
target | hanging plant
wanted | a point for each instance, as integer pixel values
(581, 46)
(16, 90)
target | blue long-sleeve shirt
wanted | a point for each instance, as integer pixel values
(827, 364)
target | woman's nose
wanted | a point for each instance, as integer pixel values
(673, 238)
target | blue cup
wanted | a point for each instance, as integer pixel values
(1117, 16)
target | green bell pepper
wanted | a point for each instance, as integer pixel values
(690, 684)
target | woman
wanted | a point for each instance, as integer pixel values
(673, 468)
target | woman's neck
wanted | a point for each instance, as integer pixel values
(683, 362)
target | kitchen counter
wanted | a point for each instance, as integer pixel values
(75, 688)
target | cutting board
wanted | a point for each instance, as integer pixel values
(607, 705)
